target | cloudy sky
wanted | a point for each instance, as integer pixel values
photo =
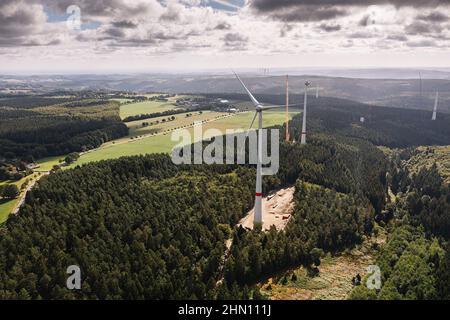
(152, 35)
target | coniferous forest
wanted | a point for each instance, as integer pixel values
(144, 228)
(29, 128)
(137, 160)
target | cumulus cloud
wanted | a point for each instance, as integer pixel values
(223, 26)
(421, 43)
(435, 16)
(24, 24)
(419, 27)
(329, 27)
(362, 35)
(125, 24)
(262, 27)
(316, 10)
(366, 20)
(397, 37)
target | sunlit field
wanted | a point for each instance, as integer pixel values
(163, 143)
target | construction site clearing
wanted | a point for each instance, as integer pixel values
(277, 210)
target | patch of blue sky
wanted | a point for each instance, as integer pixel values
(227, 5)
(54, 17)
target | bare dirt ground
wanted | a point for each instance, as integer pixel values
(334, 281)
(277, 210)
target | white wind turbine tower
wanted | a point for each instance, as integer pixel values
(303, 135)
(257, 220)
(436, 101)
(317, 91)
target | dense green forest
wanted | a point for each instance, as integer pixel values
(415, 261)
(41, 130)
(138, 227)
(324, 220)
(177, 221)
(144, 228)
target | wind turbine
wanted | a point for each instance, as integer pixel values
(287, 107)
(257, 220)
(317, 91)
(436, 101)
(303, 136)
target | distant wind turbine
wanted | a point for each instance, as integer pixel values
(436, 101)
(303, 135)
(287, 107)
(420, 86)
(257, 220)
(317, 91)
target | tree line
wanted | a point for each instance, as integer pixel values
(59, 129)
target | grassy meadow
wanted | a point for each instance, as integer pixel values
(163, 143)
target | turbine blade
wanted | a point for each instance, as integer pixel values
(255, 102)
(272, 107)
(251, 124)
(248, 132)
(280, 106)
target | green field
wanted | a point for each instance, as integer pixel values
(144, 107)
(45, 164)
(5, 208)
(163, 143)
(123, 100)
(136, 127)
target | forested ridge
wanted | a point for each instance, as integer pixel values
(386, 126)
(42, 130)
(415, 261)
(130, 220)
(324, 220)
(144, 228)
(138, 228)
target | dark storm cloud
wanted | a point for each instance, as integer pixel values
(361, 35)
(235, 41)
(134, 43)
(365, 21)
(99, 8)
(18, 23)
(223, 26)
(118, 38)
(316, 10)
(235, 37)
(285, 29)
(307, 13)
(422, 43)
(434, 17)
(170, 15)
(419, 27)
(115, 33)
(397, 37)
(125, 24)
(329, 27)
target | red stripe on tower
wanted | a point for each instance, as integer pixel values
(258, 194)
